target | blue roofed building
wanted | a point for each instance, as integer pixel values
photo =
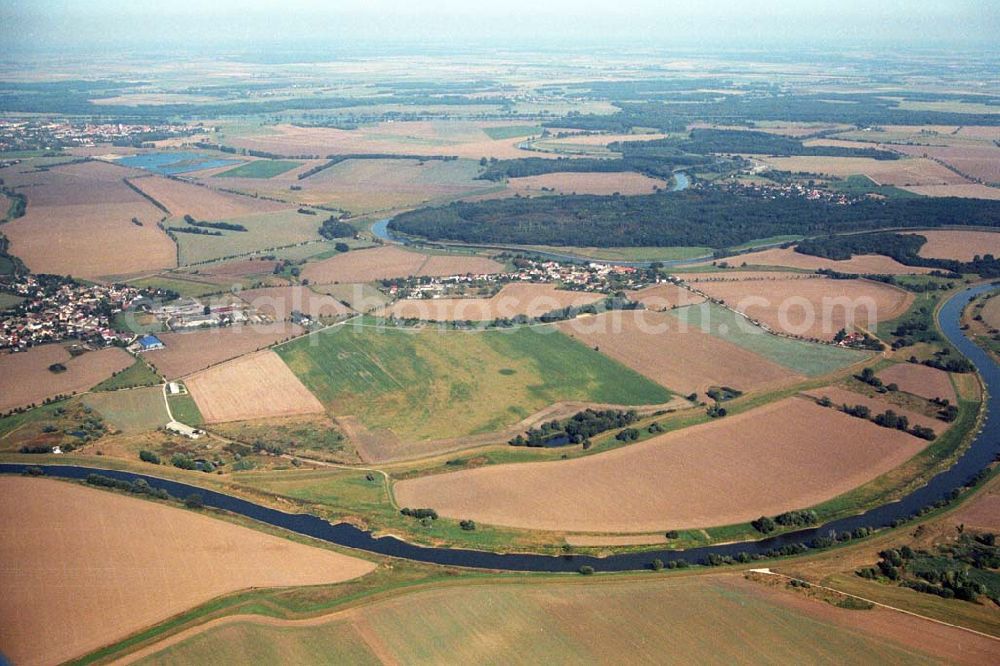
(149, 343)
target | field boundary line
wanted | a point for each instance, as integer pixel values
(768, 572)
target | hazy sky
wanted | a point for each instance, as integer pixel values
(228, 24)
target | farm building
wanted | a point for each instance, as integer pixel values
(149, 343)
(186, 430)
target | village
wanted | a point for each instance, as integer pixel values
(53, 135)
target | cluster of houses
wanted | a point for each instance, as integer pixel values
(52, 309)
(186, 314)
(55, 134)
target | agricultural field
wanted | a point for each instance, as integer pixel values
(130, 411)
(625, 183)
(518, 298)
(279, 303)
(813, 309)
(959, 244)
(79, 216)
(664, 296)
(136, 375)
(315, 435)
(615, 254)
(25, 378)
(188, 352)
(864, 264)
(901, 173)
(362, 297)
(800, 356)
(991, 312)
(979, 162)
(570, 622)
(264, 231)
(260, 169)
(689, 478)
(878, 405)
(369, 185)
(200, 202)
(255, 386)
(162, 561)
(436, 384)
(920, 380)
(464, 139)
(390, 261)
(964, 190)
(684, 359)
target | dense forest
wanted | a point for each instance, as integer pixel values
(706, 141)
(697, 217)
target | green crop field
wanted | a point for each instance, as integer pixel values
(511, 131)
(185, 410)
(437, 384)
(650, 621)
(132, 410)
(137, 374)
(264, 231)
(807, 358)
(260, 169)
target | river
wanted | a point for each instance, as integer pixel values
(984, 449)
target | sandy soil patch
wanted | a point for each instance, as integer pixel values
(913, 171)
(814, 309)
(982, 162)
(626, 182)
(255, 386)
(460, 138)
(279, 302)
(841, 396)
(864, 263)
(964, 190)
(959, 244)
(25, 377)
(390, 261)
(79, 222)
(718, 473)
(202, 203)
(664, 296)
(188, 352)
(519, 298)
(683, 358)
(83, 567)
(920, 380)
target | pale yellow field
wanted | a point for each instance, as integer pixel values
(255, 386)
(964, 190)
(626, 183)
(519, 298)
(391, 261)
(202, 203)
(909, 172)
(959, 244)
(863, 264)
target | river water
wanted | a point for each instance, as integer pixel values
(983, 450)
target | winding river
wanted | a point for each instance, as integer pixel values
(983, 450)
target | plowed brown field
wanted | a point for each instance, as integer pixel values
(202, 203)
(920, 380)
(83, 567)
(959, 245)
(664, 296)
(786, 455)
(841, 396)
(185, 353)
(519, 298)
(25, 377)
(866, 263)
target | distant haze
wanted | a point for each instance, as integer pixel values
(218, 25)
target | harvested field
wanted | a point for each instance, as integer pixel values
(627, 182)
(79, 217)
(684, 359)
(800, 356)
(991, 312)
(841, 396)
(254, 386)
(597, 540)
(813, 309)
(264, 231)
(911, 171)
(131, 411)
(518, 298)
(83, 567)
(202, 203)
(864, 264)
(920, 380)
(25, 377)
(718, 473)
(188, 352)
(279, 302)
(236, 269)
(980, 162)
(664, 296)
(958, 244)
(595, 623)
(965, 190)
(364, 186)
(390, 261)
(441, 137)
(430, 384)
(740, 274)
(983, 512)
(362, 297)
